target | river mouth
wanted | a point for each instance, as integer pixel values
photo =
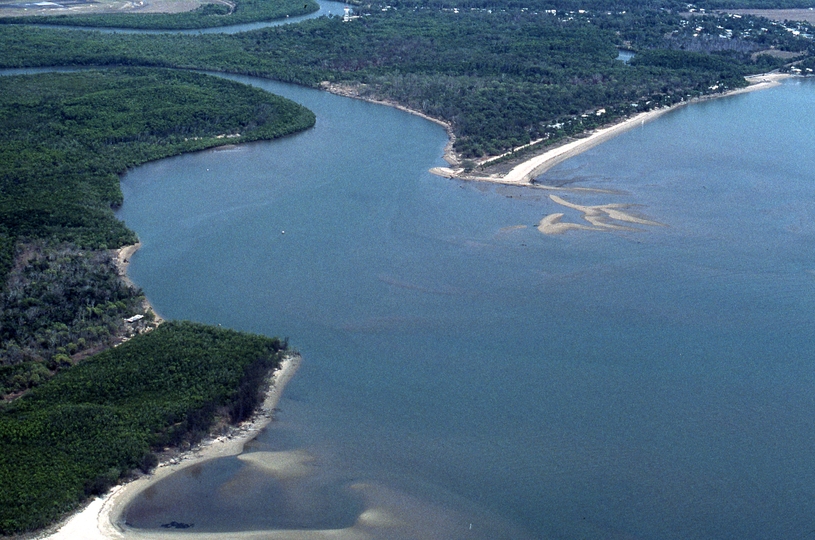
(454, 357)
(654, 384)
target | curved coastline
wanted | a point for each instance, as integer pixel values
(104, 514)
(100, 519)
(122, 259)
(523, 173)
(350, 91)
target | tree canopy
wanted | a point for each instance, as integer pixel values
(64, 139)
(86, 428)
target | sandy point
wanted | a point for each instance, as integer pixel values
(523, 173)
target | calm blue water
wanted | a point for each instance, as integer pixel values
(466, 379)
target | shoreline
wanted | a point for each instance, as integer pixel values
(100, 519)
(122, 260)
(350, 91)
(523, 173)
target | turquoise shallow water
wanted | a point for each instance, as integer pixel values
(486, 381)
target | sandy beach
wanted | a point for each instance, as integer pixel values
(99, 519)
(122, 259)
(387, 510)
(525, 172)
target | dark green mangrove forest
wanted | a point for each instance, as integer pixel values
(78, 415)
(64, 139)
(88, 427)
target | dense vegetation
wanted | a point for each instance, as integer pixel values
(64, 137)
(60, 304)
(76, 435)
(223, 13)
(501, 77)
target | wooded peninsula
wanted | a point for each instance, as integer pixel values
(501, 74)
(65, 138)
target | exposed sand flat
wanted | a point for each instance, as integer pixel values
(600, 221)
(98, 521)
(613, 213)
(601, 218)
(611, 210)
(282, 465)
(551, 224)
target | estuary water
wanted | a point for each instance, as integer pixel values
(466, 376)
